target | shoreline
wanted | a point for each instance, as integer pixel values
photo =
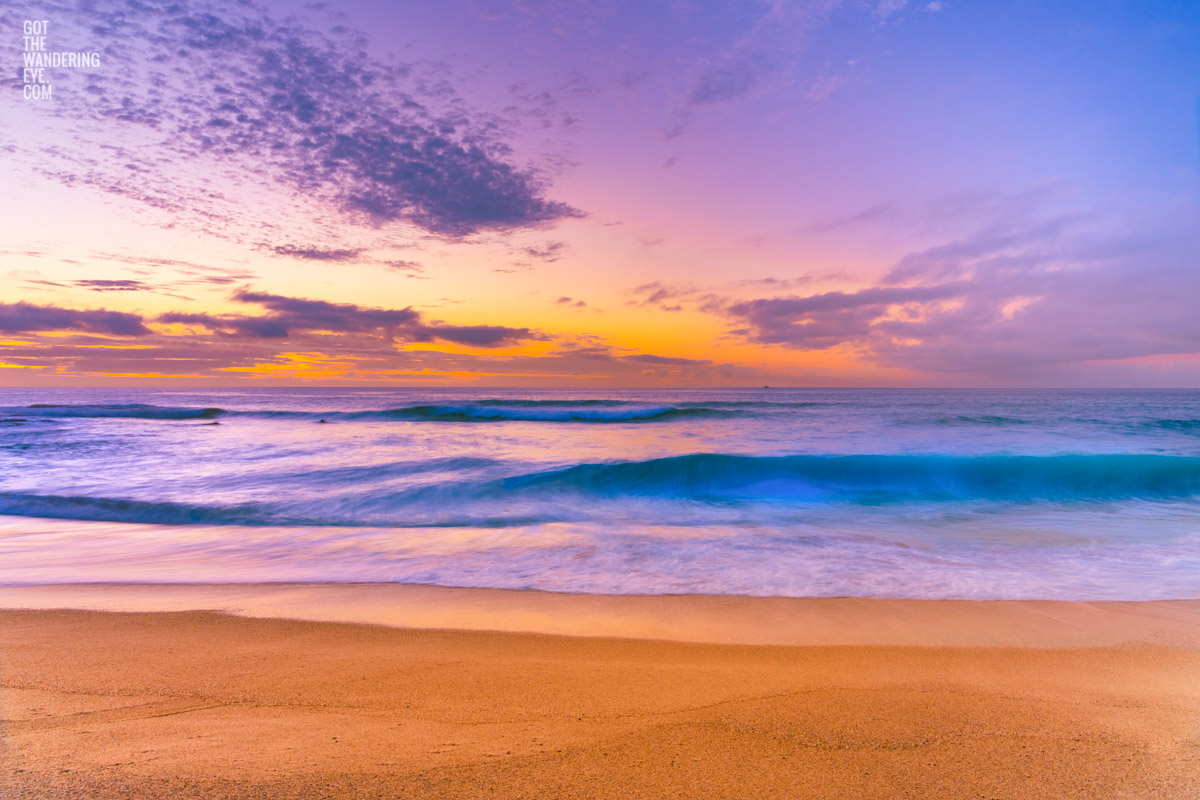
(710, 619)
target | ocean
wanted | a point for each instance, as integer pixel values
(974, 494)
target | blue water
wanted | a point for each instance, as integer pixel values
(899, 493)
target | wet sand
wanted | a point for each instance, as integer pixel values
(868, 698)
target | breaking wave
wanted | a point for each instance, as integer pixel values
(351, 497)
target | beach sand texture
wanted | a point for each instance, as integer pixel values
(193, 704)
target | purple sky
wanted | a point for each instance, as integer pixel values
(943, 193)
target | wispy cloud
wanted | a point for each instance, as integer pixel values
(879, 212)
(412, 268)
(548, 251)
(761, 59)
(112, 285)
(187, 86)
(887, 8)
(311, 253)
(664, 296)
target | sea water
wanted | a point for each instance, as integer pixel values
(1080, 495)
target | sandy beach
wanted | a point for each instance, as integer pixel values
(905, 699)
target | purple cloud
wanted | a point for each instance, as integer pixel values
(316, 253)
(1019, 300)
(290, 316)
(657, 293)
(550, 251)
(28, 318)
(118, 285)
(825, 320)
(473, 335)
(205, 82)
(413, 268)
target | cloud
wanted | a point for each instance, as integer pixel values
(665, 361)
(323, 315)
(413, 268)
(289, 316)
(194, 274)
(1024, 298)
(671, 297)
(166, 288)
(760, 59)
(657, 293)
(821, 321)
(26, 277)
(98, 285)
(999, 245)
(292, 337)
(359, 357)
(549, 251)
(593, 355)
(771, 282)
(737, 77)
(887, 8)
(232, 326)
(569, 301)
(826, 86)
(207, 84)
(473, 335)
(27, 318)
(316, 253)
(876, 213)
(167, 356)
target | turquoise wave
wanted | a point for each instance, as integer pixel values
(351, 496)
(881, 478)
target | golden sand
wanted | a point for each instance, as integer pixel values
(199, 704)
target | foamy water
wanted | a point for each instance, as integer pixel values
(967, 494)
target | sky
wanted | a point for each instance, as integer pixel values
(604, 193)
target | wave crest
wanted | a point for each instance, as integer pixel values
(117, 411)
(485, 411)
(881, 478)
(345, 497)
